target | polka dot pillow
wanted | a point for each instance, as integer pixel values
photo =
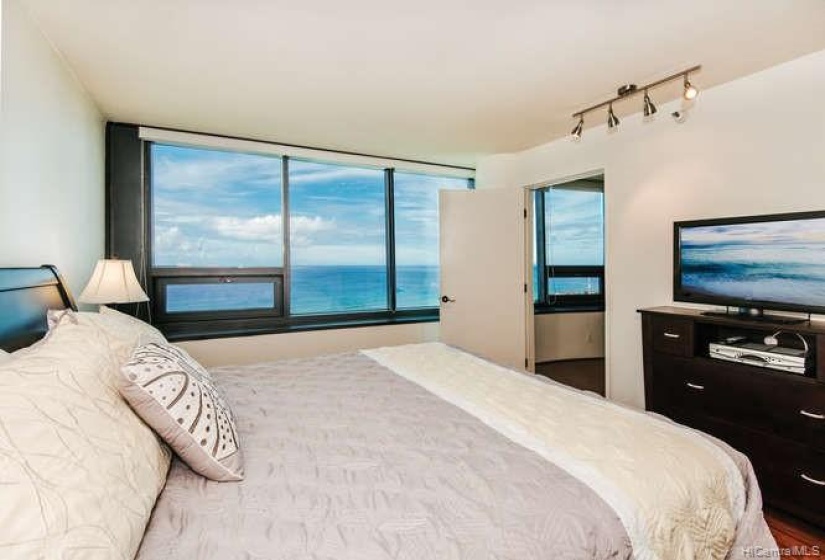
(175, 396)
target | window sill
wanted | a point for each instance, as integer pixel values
(204, 330)
(548, 310)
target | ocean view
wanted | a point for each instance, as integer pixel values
(779, 261)
(315, 290)
(783, 272)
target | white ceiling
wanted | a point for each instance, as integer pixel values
(441, 80)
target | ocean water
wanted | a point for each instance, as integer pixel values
(219, 297)
(315, 290)
(776, 272)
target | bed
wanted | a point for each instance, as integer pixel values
(424, 451)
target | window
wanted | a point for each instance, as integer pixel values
(416, 238)
(337, 221)
(215, 209)
(569, 255)
(250, 242)
(216, 213)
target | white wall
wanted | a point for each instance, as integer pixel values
(569, 336)
(755, 145)
(267, 348)
(51, 156)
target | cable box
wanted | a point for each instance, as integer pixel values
(781, 358)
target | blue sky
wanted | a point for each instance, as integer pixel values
(214, 208)
(574, 222)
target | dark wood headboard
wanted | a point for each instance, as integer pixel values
(25, 296)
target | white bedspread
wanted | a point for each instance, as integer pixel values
(678, 495)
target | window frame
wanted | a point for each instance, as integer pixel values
(565, 303)
(232, 323)
(163, 277)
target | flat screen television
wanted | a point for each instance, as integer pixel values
(753, 263)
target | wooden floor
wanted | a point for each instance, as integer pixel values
(795, 536)
(581, 374)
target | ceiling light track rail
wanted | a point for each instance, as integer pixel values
(629, 90)
(638, 90)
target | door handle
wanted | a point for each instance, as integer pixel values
(812, 415)
(672, 335)
(694, 386)
(447, 299)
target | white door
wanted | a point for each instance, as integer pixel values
(483, 274)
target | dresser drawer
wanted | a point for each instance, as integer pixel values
(791, 477)
(772, 402)
(797, 410)
(678, 383)
(789, 474)
(672, 336)
(777, 402)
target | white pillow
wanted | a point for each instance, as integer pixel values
(4, 356)
(80, 472)
(147, 332)
(126, 332)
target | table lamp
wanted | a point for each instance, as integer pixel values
(113, 281)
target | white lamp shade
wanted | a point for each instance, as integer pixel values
(113, 281)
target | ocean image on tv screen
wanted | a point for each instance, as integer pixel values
(780, 262)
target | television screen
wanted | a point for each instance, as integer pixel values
(774, 262)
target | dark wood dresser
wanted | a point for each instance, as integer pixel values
(774, 417)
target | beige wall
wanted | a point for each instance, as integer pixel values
(755, 145)
(51, 157)
(569, 336)
(267, 348)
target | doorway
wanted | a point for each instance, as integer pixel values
(568, 282)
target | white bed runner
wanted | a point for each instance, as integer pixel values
(679, 496)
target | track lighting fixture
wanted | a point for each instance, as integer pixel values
(649, 108)
(612, 119)
(629, 90)
(690, 90)
(577, 130)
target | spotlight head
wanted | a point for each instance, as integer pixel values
(649, 108)
(690, 90)
(612, 119)
(577, 130)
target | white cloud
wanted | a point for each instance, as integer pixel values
(269, 228)
(303, 228)
(258, 228)
(171, 246)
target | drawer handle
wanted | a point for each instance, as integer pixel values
(807, 478)
(812, 415)
(695, 386)
(672, 335)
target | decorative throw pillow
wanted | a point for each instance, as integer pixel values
(175, 396)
